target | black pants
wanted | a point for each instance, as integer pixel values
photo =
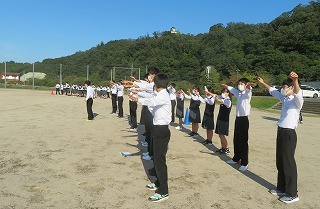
(161, 138)
(286, 164)
(133, 113)
(173, 107)
(57, 91)
(240, 140)
(120, 106)
(89, 108)
(148, 127)
(114, 103)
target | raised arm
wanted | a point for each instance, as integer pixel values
(263, 83)
(294, 76)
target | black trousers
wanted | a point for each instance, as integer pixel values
(114, 103)
(240, 140)
(57, 91)
(148, 127)
(173, 107)
(286, 164)
(161, 138)
(120, 106)
(133, 113)
(89, 108)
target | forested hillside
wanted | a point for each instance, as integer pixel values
(289, 42)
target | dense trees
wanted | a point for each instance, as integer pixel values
(290, 42)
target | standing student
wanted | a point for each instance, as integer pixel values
(61, 88)
(222, 125)
(160, 107)
(120, 90)
(172, 92)
(89, 99)
(292, 102)
(207, 121)
(133, 111)
(57, 88)
(241, 127)
(194, 115)
(114, 90)
(180, 108)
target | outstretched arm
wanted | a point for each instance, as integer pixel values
(263, 83)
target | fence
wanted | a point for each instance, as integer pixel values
(61, 73)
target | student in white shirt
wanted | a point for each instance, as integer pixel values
(89, 99)
(114, 90)
(160, 106)
(180, 108)
(207, 120)
(241, 127)
(194, 115)
(57, 88)
(292, 102)
(172, 91)
(120, 91)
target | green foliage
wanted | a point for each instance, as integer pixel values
(290, 42)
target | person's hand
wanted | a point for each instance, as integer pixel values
(224, 85)
(294, 76)
(135, 91)
(189, 91)
(260, 80)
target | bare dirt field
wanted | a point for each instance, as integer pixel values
(51, 157)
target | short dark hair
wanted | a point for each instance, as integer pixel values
(88, 82)
(196, 87)
(161, 80)
(288, 82)
(243, 80)
(173, 85)
(145, 76)
(210, 89)
(227, 91)
(153, 70)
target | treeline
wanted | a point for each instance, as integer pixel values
(290, 42)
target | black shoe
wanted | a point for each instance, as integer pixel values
(207, 142)
(225, 151)
(192, 133)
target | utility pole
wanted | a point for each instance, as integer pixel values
(33, 76)
(60, 74)
(5, 75)
(87, 72)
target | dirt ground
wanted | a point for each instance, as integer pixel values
(51, 157)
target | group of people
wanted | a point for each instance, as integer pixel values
(81, 90)
(160, 101)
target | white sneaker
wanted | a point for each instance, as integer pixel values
(144, 144)
(231, 162)
(243, 168)
(277, 192)
(145, 153)
(178, 128)
(287, 199)
(147, 157)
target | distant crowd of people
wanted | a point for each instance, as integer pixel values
(81, 90)
(161, 103)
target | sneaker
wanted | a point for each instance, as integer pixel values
(144, 144)
(147, 157)
(287, 199)
(178, 128)
(158, 197)
(208, 142)
(192, 133)
(152, 186)
(243, 168)
(224, 151)
(277, 192)
(231, 162)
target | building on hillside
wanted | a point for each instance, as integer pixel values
(10, 76)
(173, 30)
